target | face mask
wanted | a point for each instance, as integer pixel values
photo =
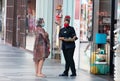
(43, 24)
(66, 25)
(58, 11)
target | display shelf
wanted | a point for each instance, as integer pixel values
(99, 60)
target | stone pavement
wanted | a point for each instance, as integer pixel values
(17, 65)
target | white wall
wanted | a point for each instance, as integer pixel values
(39, 9)
(4, 6)
(44, 10)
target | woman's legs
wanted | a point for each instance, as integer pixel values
(36, 68)
(39, 68)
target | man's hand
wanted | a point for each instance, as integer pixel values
(61, 38)
(75, 38)
(69, 39)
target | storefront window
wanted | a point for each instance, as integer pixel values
(31, 24)
(85, 33)
(100, 55)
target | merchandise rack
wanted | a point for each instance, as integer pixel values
(99, 61)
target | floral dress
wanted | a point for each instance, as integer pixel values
(41, 46)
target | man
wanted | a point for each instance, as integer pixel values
(68, 36)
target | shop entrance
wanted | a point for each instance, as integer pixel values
(85, 34)
(100, 54)
(20, 23)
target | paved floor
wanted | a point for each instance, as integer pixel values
(17, 65)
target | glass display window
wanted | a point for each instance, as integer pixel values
(86, 10)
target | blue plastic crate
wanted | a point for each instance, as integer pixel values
(100, 38)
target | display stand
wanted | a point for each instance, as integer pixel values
(99, 61)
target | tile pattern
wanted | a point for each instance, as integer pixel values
(17, 65)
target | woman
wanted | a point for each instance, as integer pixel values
(41, 47)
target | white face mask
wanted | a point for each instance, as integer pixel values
(43, 24)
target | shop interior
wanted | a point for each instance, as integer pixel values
(31, 24)
(95, 54)
(85, 34)
(100, 54)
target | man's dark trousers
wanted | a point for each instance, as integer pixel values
(68, 55)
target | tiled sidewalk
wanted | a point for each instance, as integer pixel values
(17, 65)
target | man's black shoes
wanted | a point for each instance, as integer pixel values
(63, 74)
(73, 75)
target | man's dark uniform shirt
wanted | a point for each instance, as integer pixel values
(68, 32)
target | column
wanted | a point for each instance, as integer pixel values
(39, 8)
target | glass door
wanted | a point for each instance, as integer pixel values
(30, 24)
(85, 34)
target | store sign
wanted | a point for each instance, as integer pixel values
(106, 20)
